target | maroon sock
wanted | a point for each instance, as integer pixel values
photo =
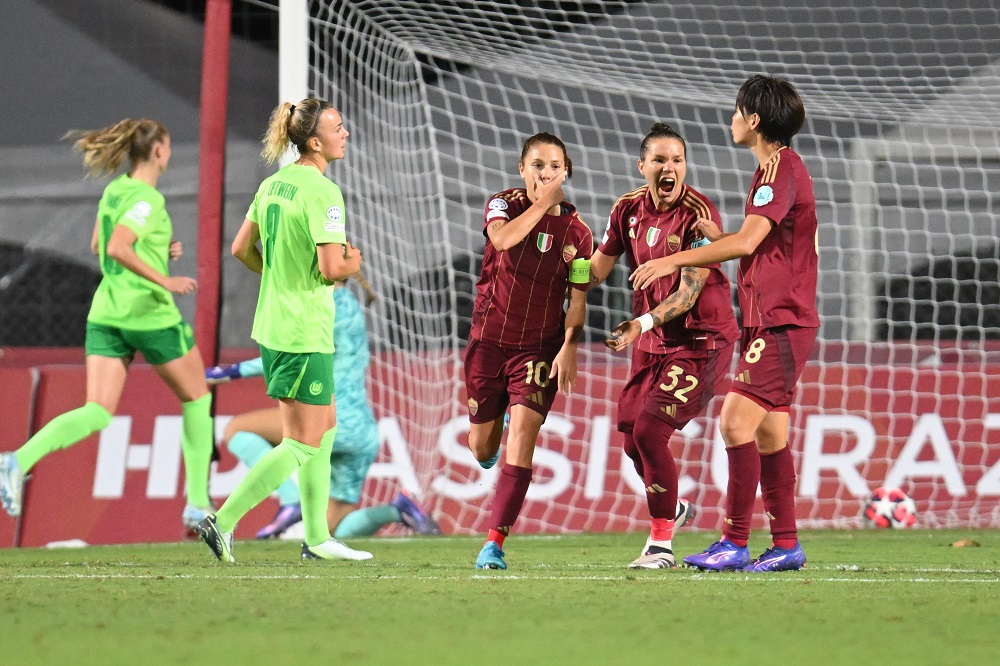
(632, 452)
(744, 477)
(652, 439)
(777, 485)
(511, 488)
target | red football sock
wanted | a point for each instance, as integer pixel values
(777, 485)
(661, 529)
(509, 497)
(744, 477)
(496, 537)
(652, 439)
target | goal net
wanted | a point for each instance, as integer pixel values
(903, 144)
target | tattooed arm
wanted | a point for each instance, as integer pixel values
(676, 304)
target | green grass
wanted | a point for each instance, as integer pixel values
(866, 596)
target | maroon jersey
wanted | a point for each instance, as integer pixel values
(777, 283)
(641, 232)
(520, 293)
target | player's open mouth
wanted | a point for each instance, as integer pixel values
(666, 186)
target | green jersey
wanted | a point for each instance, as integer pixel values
(123, 299)
(296, 209)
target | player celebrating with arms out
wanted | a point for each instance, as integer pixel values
(777, 247)
(297, 216)
(684, 328)
(522, 345)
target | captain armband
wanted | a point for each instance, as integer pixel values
(579, 271)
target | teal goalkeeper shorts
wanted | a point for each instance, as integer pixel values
(158, 346)
(354, 451)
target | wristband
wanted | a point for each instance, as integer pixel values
(579, 271)
(646, 322)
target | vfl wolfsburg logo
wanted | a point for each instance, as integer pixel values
(316, 387)
(652, 235)
(544, 242)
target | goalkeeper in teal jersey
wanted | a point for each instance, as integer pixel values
(298, 218)
(250, 436)
(133, 310)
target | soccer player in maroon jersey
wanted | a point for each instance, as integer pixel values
(684, 330)
(522, 343)
(778, 250)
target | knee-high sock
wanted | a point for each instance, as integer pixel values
(62, 432)
(365, 522)
(262, 479)
(314, 486)
(632, 452)
(777, 485)
(196, 445)
(744, 477)
(652, 439)
(511, 489)
(249, 448)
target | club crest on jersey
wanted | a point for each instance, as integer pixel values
(763, 196)
(568, 253)
(652, 235)
(473, 406)
(544, 242)
(674, 242)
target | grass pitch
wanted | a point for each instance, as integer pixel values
(905, 597)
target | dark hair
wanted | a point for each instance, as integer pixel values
(546, 139)
(778, 105)
(660, 131)
(292, 124)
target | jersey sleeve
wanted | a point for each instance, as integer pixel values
(692, 237)
(611, 244)
(253, 214)
(141, 210)
(774, 197)
(497, 208)
(326, 216)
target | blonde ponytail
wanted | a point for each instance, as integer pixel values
(292, 124)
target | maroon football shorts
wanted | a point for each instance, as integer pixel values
(675, 387)
(496, 377)
(771, 362)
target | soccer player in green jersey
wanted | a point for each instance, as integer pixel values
(297, 216)
(133, 310)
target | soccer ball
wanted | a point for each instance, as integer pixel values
(890, 508)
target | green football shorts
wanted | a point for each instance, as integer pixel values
(307, 378)
(158, 346)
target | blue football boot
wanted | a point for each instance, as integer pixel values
(778, 559)
(490, 557)
(721, 556)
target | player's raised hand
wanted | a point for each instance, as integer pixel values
(176, 250)
(624, 334)
(644, 275)
(708, 229)
(180, 284)
(550, 194)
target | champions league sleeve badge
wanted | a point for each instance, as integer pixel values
(763, 196)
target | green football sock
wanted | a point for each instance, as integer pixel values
(262, 479)
(249, 448)
(61, 432)
(366, 522)
(314, 486)
(196, 445)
